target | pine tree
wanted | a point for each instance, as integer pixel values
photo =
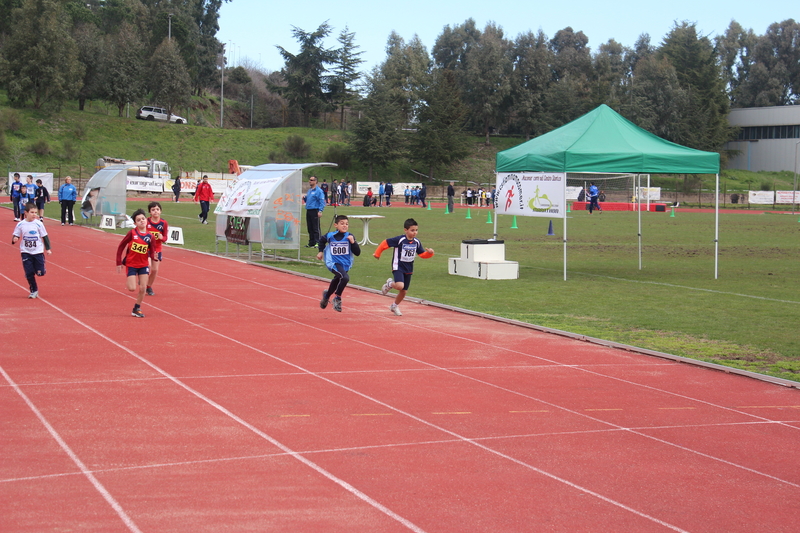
(169, 80)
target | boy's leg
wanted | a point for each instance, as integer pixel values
(142, 282)
(29, 266)
(151, 279)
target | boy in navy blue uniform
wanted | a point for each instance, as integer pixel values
(338, 248)
(406, 248)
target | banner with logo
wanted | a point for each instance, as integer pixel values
(246, 197)
(761, 197)
(531, 194)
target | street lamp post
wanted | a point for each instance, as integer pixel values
(169, 32)
(222, 89)
(794, 189)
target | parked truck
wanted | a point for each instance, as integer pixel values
(150, 176)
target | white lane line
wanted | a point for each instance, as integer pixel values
(64, 446)
(348, 487)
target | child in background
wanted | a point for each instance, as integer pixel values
(22, 200)
(406, 248)
(14, 189)
(138, 250)
(158, 228)
(338, 247)
(33, 243)
(42, 198)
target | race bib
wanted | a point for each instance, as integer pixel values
(340, 247)
(408, 253)
(139, 248)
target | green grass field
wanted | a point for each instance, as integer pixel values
(747, 318)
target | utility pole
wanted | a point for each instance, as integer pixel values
(222, 89)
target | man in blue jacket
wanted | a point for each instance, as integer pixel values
(67, 196)
(14, 191)
(315, 204)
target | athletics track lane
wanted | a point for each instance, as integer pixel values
(238, 404)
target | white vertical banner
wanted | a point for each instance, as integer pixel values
(531, 194)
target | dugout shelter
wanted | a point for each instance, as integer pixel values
(264, 205)
(602, 142)
(106, 193)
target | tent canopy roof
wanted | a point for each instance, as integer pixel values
(604, 141)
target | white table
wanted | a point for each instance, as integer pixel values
(365, 219)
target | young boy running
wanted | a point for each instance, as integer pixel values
(138, 243)
(158, 228)
(339, 252)
(33, 243)
(406, 248)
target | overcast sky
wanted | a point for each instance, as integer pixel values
(251, 29)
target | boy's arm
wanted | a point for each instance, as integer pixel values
(381, 247)
(427, 253)
(121, 248)
(46, 241)
(356, 248)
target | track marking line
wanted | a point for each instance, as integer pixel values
(129, 523)
(451, 413)
(350, 488)
(294, 416)
(343, 484)
(603, 409)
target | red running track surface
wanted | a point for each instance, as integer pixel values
(238, 404)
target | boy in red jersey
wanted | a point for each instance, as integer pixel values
(406, 248)
(138, 243)
(157, 227)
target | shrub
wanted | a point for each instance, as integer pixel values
(339, 154)
(278, 156)
(296, 146)
(766, 186)
(41, 147)
(78, 131)
(72, 150)
(10, 120)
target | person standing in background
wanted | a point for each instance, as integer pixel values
(176, 188)
(42, 197)
(14, 191)
(67, 196)
(204, 194)
(451, 195)
(315, 204)
(388, 190)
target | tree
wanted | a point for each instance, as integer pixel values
(529, 82)
(124, 69)
(41, 56)
(405, 74)
(304, 72)
(91, 54)
(440, 140)
(774, 78)
(486, 81)
(698, 72)
(376, 137)
(735, 50)
(169, 80)
(611, 74)
(345, 72)
(657, 102)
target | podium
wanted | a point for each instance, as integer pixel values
(483, 259)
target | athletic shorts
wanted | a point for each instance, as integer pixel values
(33, 264)
(157, 256)
(144, 271)
(405, 277)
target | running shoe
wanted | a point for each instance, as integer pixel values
(337, 304)
(387, 286)
(137, 313)
(395, 309)
(324, 302)
(34, 294)
(205, 222)
(150, 292)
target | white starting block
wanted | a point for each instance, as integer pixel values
(175, 235)
(108, 222)
(483, 259)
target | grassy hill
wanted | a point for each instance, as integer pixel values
(70, 141)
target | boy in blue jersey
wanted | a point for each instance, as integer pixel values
(338, 248)
(33, 241)
(406, 248)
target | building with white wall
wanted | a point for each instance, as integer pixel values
(768, 138)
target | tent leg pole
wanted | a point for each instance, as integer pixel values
(716, 231)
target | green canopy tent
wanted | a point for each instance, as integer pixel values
(602, 141)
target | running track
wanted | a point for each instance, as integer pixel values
(238, 405)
